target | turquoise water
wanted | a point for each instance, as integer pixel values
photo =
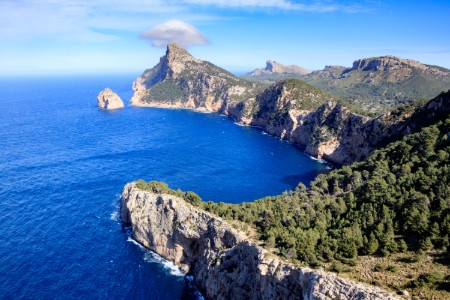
(64, 162)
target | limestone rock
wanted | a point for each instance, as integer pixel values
(107, 99)
(224, 263)
(276, 67)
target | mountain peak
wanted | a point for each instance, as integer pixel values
(276, 67)
(176, 58)
(176, 49)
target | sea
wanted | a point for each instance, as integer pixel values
(64, 163)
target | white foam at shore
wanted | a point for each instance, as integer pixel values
(152, 257)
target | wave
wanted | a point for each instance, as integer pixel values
(322, 161)
(115, 215)
(152, 257)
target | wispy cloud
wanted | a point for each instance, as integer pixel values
(78, 20)
(174, 31)
(307, 6)
(94, 20)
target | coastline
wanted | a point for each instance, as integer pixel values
(330, 164)
(225, 263)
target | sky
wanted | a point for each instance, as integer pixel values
(40, 37)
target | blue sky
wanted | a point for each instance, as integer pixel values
(97, 36)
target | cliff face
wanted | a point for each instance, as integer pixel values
(290, 109)
(107, 99)
(223, 263)
(180, 80)
(328, 129)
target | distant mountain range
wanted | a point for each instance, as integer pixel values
(374, 84)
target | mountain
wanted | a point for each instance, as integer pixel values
(326, 126)
(181, 80)
(275, 71)
(378, 84)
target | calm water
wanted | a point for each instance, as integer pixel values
(63, 164)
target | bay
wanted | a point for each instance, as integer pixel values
(64, 162)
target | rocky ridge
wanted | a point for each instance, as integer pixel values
(225, 265)
(107, 99)
(291, 109)
(381, 83)
(276, 67)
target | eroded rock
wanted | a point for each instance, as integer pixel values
(107, 99)
(224, 263)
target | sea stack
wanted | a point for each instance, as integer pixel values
(107, 99)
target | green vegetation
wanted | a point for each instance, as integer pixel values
(271, 78)
(164, 91)
(301, 96)
(163, 188)
(396, 200)
(381, 92)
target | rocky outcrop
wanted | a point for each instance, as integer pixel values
(276, 67)
(391, 64)
(225, 265)
(107, 99)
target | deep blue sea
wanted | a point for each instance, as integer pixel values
(64, 162)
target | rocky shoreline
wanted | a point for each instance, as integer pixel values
(221, 259)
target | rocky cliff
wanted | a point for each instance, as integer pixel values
(291, 109)
(225, 265)
(328, 128)
(107, 99)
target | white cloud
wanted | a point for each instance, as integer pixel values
(174, 31)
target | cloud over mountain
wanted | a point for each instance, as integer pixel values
(174, 31)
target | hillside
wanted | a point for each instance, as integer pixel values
(375, 84)
(378, 84)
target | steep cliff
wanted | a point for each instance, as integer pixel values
(180, 80)
(329, 128)
(225, 265)
(324, 125)
(107, 99)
